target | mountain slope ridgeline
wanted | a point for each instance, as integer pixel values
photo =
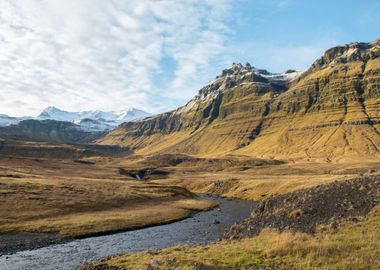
(329, 111)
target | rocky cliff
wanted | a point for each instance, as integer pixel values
(329, 111)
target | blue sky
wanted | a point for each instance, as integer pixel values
(155, 55)
(302, 27)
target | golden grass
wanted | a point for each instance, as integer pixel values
(258, 183)
(357, 246)
(76, 200)
(252, 182)
(373, 65)
(111, 220)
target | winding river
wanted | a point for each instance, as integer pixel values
(202, 227)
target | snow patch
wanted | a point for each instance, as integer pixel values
(284, 76)
(94, 120)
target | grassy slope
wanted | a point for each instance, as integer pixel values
(356, 246)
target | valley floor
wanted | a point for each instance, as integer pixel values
(47, 197)
(48, 200)
(312, 215)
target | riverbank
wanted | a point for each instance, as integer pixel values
(201, 227)
(47, 201)
(356, 246)
(15, 242)
(333, 226)
(130, 219)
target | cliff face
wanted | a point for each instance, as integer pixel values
(329, 111)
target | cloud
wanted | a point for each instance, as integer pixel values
(95, 54)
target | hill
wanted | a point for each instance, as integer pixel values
(48, 131)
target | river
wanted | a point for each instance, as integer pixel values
(202, 227)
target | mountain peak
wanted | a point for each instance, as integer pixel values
(55, 113)
(51, 109)
(235, 69)
(239, 74)
(355, 51)
(93, 120)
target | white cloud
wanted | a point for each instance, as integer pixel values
(96, 54)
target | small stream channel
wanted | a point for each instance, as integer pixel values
(202, 227)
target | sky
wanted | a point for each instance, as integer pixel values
(155, 55)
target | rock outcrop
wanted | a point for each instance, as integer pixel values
(305, 210)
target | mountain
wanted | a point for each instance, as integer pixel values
(48, 131)
(58, 126)
(330, 111)
(93, 120)
(56, 114)
(6, 120)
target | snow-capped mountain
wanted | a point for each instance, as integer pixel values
(86, 120)
(54, 113)
(93, 120)
(247, 75)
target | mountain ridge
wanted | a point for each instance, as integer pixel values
(52, 131)
(92, 121)
(329, 111)
(95, 120)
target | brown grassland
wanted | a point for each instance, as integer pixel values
(95, 195)
(76, 199)
(354, 246)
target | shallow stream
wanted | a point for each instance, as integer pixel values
(202, 227)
